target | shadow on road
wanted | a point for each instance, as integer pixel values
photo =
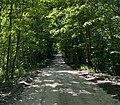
(111, 89)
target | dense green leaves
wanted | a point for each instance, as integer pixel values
(24, 36)
(88, 32)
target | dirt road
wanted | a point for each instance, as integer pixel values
(58, 84)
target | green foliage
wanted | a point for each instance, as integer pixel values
(25, 39)
(88, 33)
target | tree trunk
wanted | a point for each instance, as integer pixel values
(16, 54)
(88, 35)
(9, 45)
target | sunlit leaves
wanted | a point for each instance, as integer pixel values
(30, 41)
(87, 24)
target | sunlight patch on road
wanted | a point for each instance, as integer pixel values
(49, 81)
(72, 92)
(74, 82)
(84, 92)
(21, 100)
(52, 85)
(89, 83)
(55, 90)
(32, 94)
(52, 68)
(37, 81)
(55, 104)
(35, 86)
(44, 74)
(68, 71)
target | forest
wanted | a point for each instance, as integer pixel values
(87, 32)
